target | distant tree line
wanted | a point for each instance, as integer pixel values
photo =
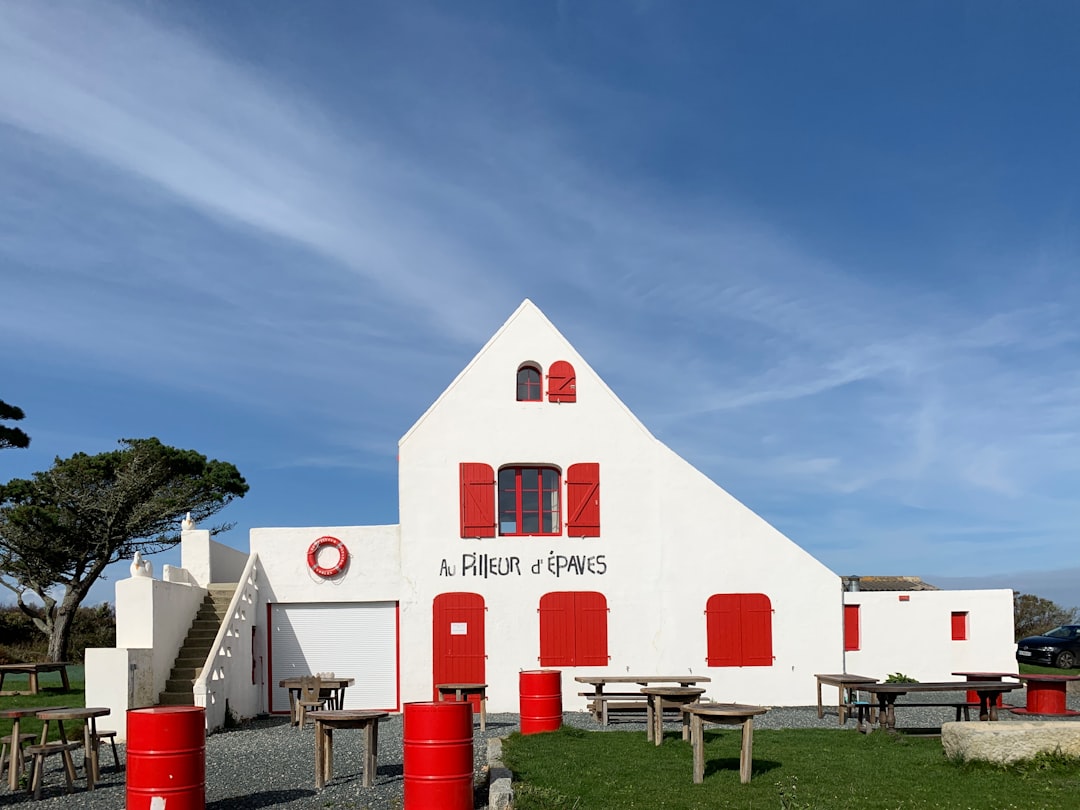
(1033, 615)
(21, 641)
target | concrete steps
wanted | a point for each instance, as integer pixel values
(200, 638)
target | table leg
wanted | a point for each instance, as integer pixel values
(697, 743)
(650, 723)
(320, 779)
(69, 763)
(820, 711)
(685, 726)
(746, 752)
(64, 679)
(33, 682)
(328, 753)
(483, 713)
(88, 761)
(13, 755)
(371, 751)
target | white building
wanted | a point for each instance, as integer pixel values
(542, 526)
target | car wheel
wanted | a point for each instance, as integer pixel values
(1066, 660)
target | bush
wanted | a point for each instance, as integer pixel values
(22, 641)
(900, 677)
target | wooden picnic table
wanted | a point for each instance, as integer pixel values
(335, 686)
(887, 693)
(326, 722)
(844, 682)
(462, 691)
(35, 669)
(657, 696)
(15, 751)
(739, 714)
(599, 700)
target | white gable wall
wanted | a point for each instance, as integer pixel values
(670, 538)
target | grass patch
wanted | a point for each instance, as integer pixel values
(794, 769)
(1035, 669)
(51, 694)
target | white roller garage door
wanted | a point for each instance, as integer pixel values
(352, 640)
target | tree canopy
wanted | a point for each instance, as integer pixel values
(62, 527)
(1034, 615)
(11, 436)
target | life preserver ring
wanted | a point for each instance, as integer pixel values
(313, 557)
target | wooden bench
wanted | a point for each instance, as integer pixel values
(603, 706)
(38, 753)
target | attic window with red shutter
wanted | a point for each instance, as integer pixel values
(528, 383)
(562, 382)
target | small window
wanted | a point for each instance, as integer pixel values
(851, 627)
(959, 625)
(529, 501)
(528, 384)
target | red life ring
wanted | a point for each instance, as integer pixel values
(313, 557)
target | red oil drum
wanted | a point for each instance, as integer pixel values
(438, 756)
(540, 692)
(166, 758)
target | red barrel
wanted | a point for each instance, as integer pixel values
(438, 756)
(166, 757)
(540, 691)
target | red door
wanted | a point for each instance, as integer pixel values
(458, 641)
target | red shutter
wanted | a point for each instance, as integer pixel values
(477, 500)
(723, 631)
(851, 627)
(583, 500)
(591, 629)
(739, 630)
(959, 626)
(562, 382)
(557, 629)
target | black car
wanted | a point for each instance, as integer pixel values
(1059, 647)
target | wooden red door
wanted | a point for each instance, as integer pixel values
(458, 654)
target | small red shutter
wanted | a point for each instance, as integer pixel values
(851, 627)
(723, 631)
(562, 382)
(477, 500)
(959, 626)
(757, 630)
(557, 629)
(591, 629)
(583, 500)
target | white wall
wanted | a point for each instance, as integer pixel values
(209, 561)
(120, 679)
(914, 636)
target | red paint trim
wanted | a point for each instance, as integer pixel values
(270, 659)
(313, 557)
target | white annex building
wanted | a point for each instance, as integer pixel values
(542, 526)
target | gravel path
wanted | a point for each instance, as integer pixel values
(267, 763)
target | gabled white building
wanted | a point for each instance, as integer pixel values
(542, 526)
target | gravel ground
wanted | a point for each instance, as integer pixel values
(267, 763)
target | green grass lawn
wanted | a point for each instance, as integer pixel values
(794, 769)
(51, 693)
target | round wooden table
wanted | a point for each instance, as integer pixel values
(326, 722)
(729, 713)
(462, 691)
(15, 715)
(657, 696)
(90, 738)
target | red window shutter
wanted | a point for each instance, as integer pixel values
(851, 627)
(723, 630)
(562, 382)
(477, 500)
(757, 630)
(591, 617)
(557, 630)
(959, 626)
(583, 500)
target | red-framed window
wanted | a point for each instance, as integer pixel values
(959, 625)
(573, 629)
(562, 382)
(583, 500)
(851, 627)
(529, 501)
(528, 384)
(739, 630)
(477, 484)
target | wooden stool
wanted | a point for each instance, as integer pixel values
(20, 759)
(109, 737)
(38, 754)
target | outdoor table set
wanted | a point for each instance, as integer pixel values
(61, 746)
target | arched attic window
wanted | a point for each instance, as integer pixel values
(529, 388)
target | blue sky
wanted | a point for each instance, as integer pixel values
(826, 251)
